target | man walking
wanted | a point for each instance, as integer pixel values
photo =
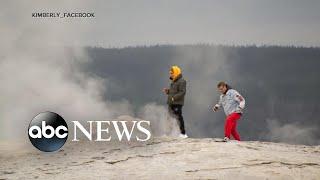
(175, 99)
(233, 104)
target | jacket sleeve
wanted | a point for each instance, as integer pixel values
(219, 104)
(242, 102)
(181, 91)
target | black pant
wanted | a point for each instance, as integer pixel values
(175, 111)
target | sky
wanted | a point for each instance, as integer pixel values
(142, 22)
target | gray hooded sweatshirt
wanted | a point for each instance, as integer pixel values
(232, 102)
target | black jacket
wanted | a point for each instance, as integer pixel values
(177, 91)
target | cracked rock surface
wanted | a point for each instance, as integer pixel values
(163, 158)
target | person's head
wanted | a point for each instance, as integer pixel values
(223, 87)
(175, 71)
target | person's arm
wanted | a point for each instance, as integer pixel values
(181, 91)
(217, 106)
(165, 90)
(242, 102)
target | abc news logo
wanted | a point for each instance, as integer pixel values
(48, 131)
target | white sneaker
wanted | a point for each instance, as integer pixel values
(183, 136)
(226, 139)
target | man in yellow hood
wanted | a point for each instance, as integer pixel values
(175, 71)
(175, 99)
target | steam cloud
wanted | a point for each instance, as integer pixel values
(291, 133)
(160, 120)
(41, 70)
(51, 80)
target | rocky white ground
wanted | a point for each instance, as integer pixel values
(163, 158)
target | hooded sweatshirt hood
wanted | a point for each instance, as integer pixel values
(176, 72)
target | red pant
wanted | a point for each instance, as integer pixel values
(230, 126)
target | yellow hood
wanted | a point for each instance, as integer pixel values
(175, 72)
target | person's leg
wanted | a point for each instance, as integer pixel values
(234, 132)
(177, 109)
(170, 110)
(228, 126)
(170, 116)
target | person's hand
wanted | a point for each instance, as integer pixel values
(215, 108)
(239, 110)
(165, 90)
(172, 99)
